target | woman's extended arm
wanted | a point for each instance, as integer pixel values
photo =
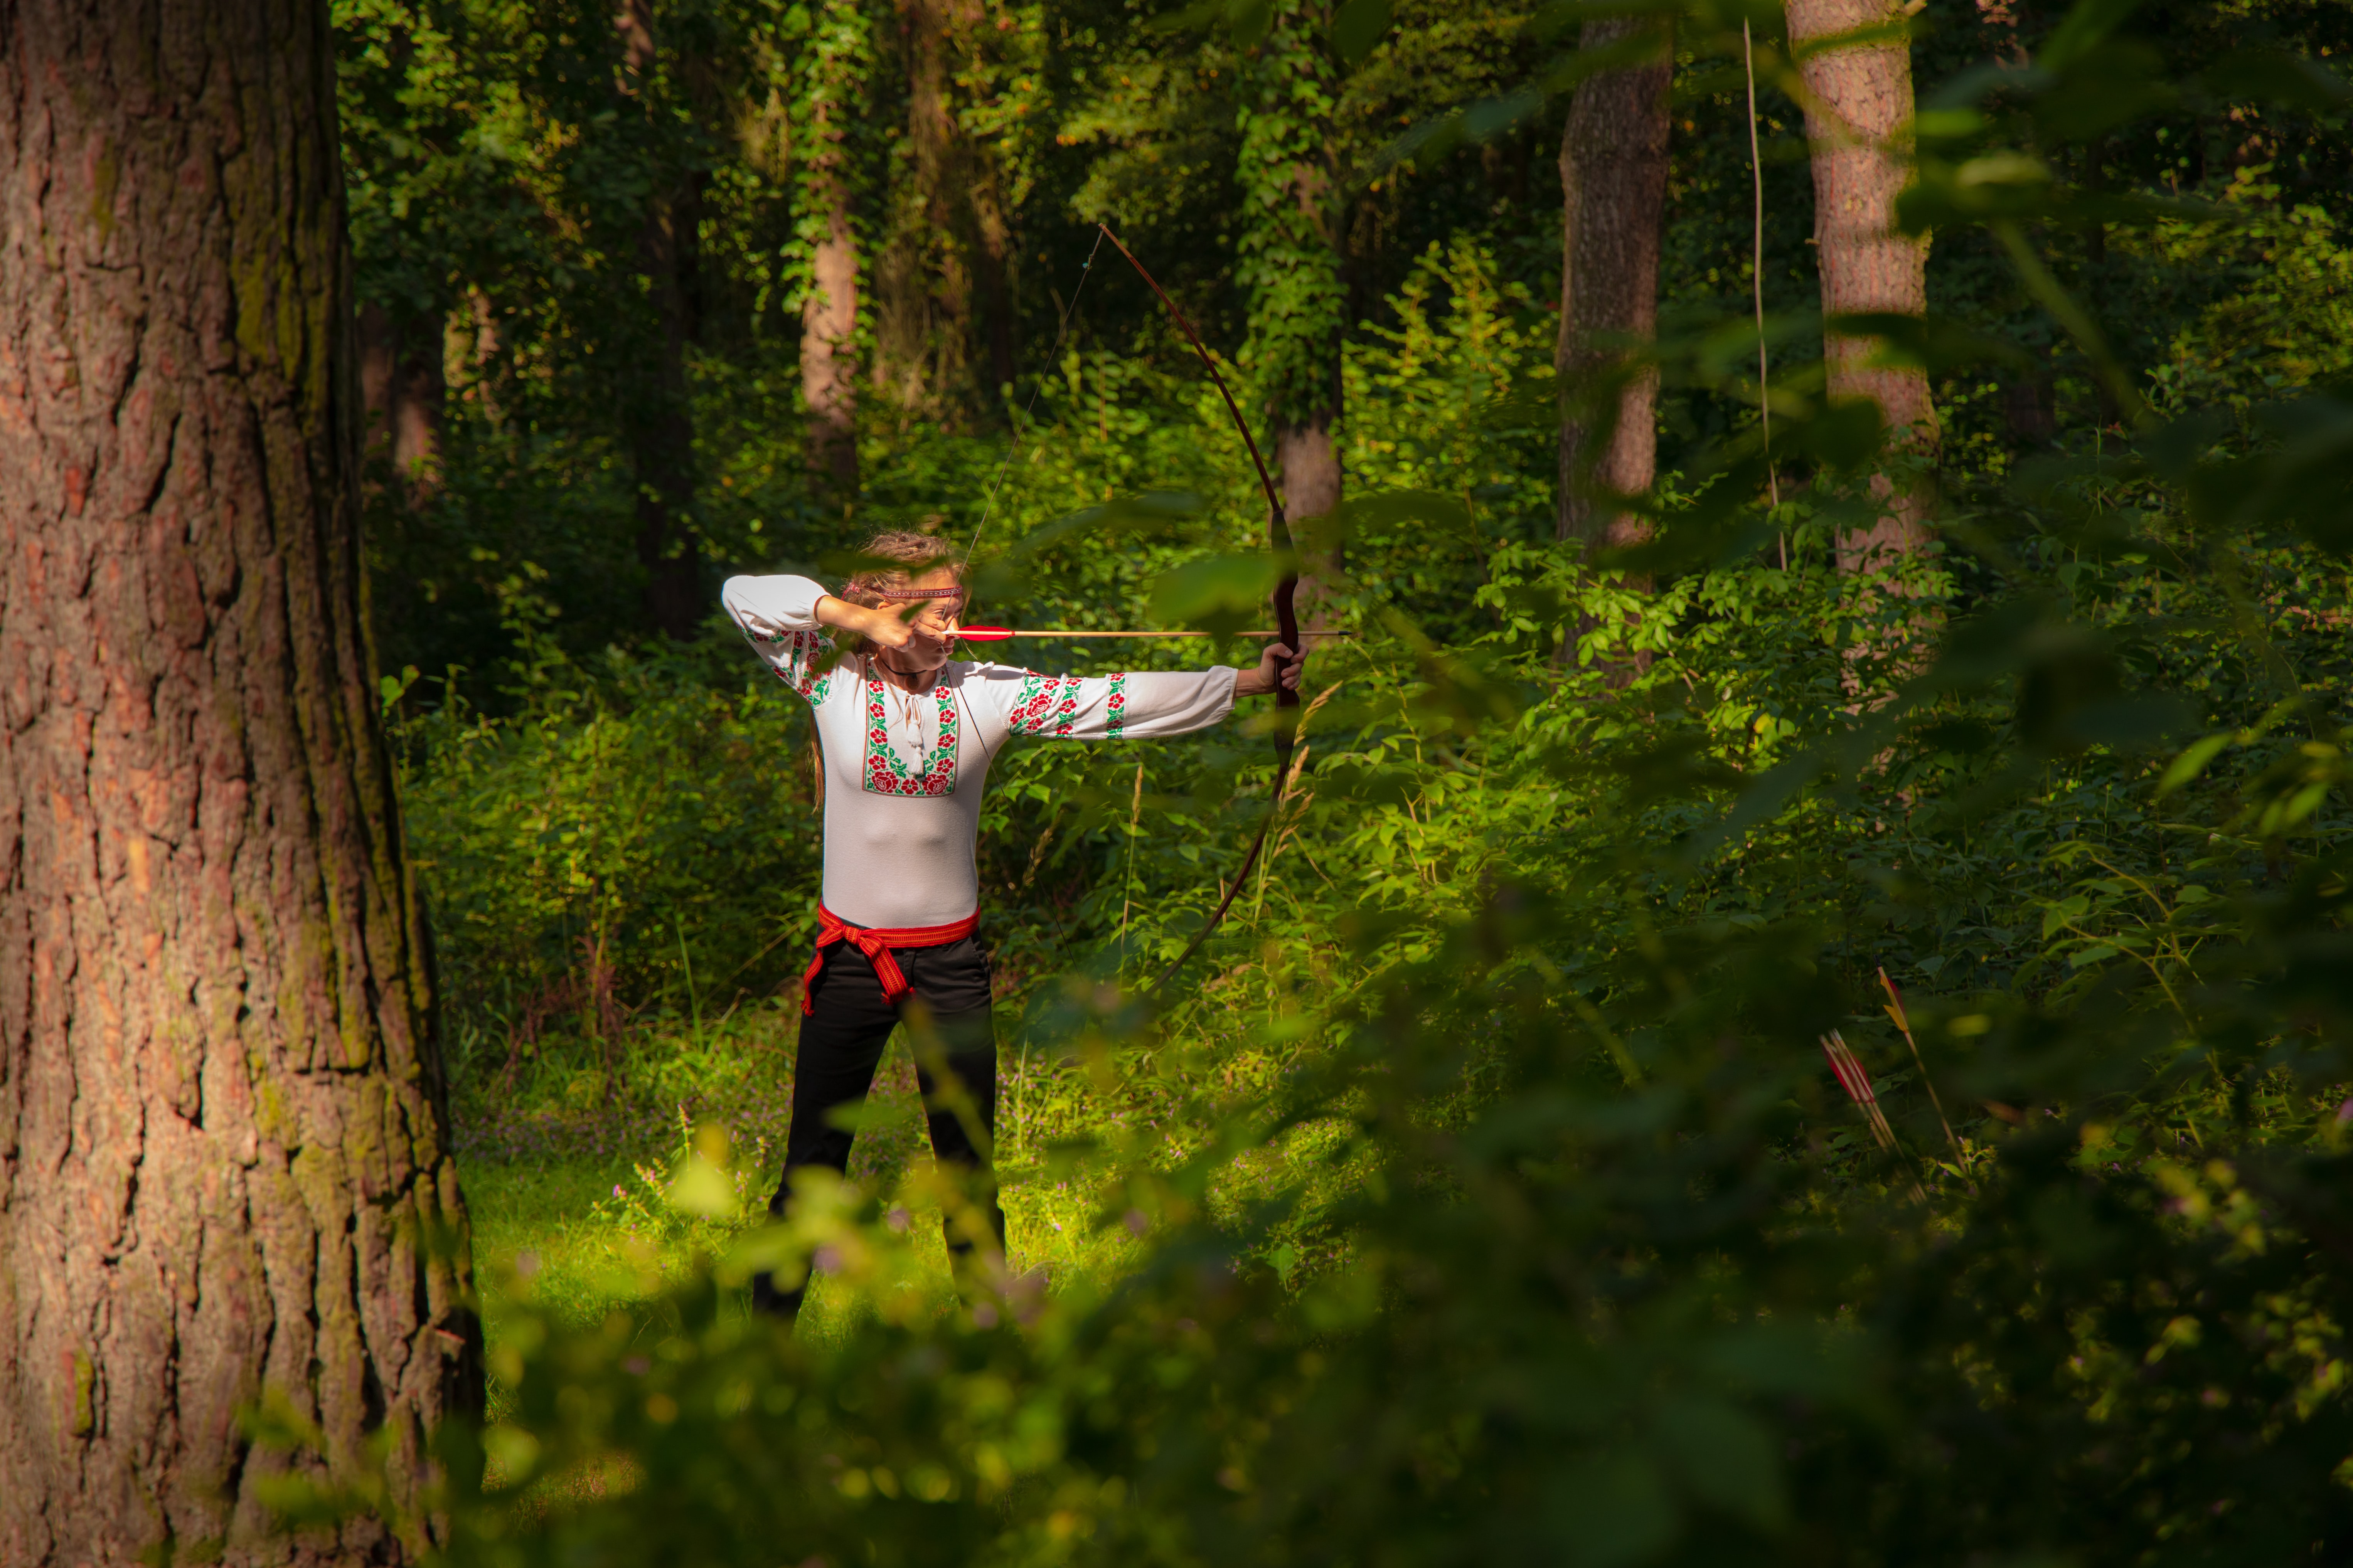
(1133, 704)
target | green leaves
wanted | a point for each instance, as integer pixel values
(1244, 21)
(2278, 76)
(1725, 1458)
(1222, 594)
(1357, 28)
(1611, 1510)
(2188, 765)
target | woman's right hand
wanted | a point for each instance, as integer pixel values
(881, 627)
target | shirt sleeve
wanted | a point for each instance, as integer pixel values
(1138, 705)
(779, 615)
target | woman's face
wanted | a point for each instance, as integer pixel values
(935, 621)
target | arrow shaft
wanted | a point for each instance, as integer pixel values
(998, 634)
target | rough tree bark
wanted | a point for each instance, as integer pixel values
(654, 396)
(1860, 126)
(224, 1174)
(1614, 180)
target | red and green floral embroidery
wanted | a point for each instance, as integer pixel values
(1047, 704)
(886, 772)
(796, 664)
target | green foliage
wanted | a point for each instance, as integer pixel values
(1287, 253)
(824, 102)
(1575, 1252)
(1482, 1195)
(637, 841)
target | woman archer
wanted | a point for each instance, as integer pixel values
(906, 735)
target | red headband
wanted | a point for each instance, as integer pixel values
(918, 593)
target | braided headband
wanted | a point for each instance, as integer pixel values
(917, 592)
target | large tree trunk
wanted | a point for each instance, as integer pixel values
(1614, 180)
(1860, 126)
(224, 1175)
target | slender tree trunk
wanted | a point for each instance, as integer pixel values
(1613, 179)
(993, 273)
(661, 432)
(942, 326)
(829, 330)
(402, 386)
(1305, 452)
(1860, 126)
(2097, 282)
(992, 232)
(655, 408)
(224, 1174)
(418, 389)
(1293, 272)
(924, 286)
(834, 61)
(379, 358)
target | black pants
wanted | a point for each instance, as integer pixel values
(842, 1044)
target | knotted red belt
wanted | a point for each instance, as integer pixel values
(876, 942)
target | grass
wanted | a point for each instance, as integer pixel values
(567, 1196)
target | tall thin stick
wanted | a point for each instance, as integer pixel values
(1895, 1010)
(1756, 280)
(1127, 892)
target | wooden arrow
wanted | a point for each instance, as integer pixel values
(999, 634)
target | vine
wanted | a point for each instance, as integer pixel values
(1289, 260)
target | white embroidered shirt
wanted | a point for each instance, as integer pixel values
(903, 775)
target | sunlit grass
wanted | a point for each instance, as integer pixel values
(585, 1236)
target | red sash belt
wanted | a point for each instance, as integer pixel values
(876, 942)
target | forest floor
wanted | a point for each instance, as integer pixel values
(569, 1204)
